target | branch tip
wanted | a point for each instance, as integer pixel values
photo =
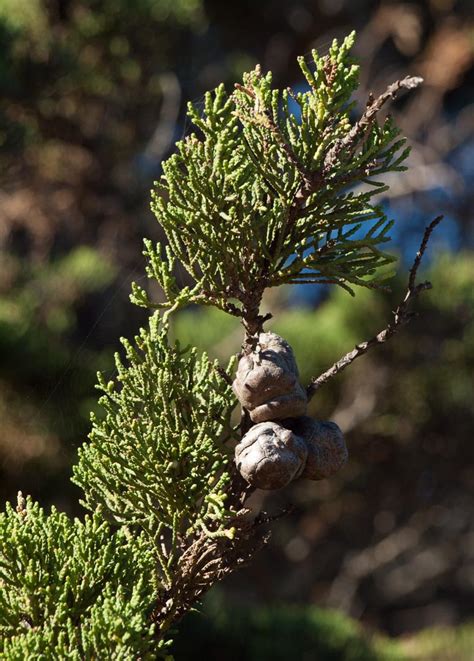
(401, 316)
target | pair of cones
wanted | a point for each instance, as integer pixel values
(284, 444)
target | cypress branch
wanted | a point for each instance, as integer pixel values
(255, 198)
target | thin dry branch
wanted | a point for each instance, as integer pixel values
(349, 141)
(400, 317)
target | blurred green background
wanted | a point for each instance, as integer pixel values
(92, 98)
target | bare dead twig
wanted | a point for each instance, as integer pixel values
(374, 106)
(400, 317)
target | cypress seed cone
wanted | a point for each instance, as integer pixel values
(327, 450)
(266, 382)
(270, 456)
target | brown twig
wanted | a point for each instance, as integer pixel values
(400, 317)
(374, 106)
